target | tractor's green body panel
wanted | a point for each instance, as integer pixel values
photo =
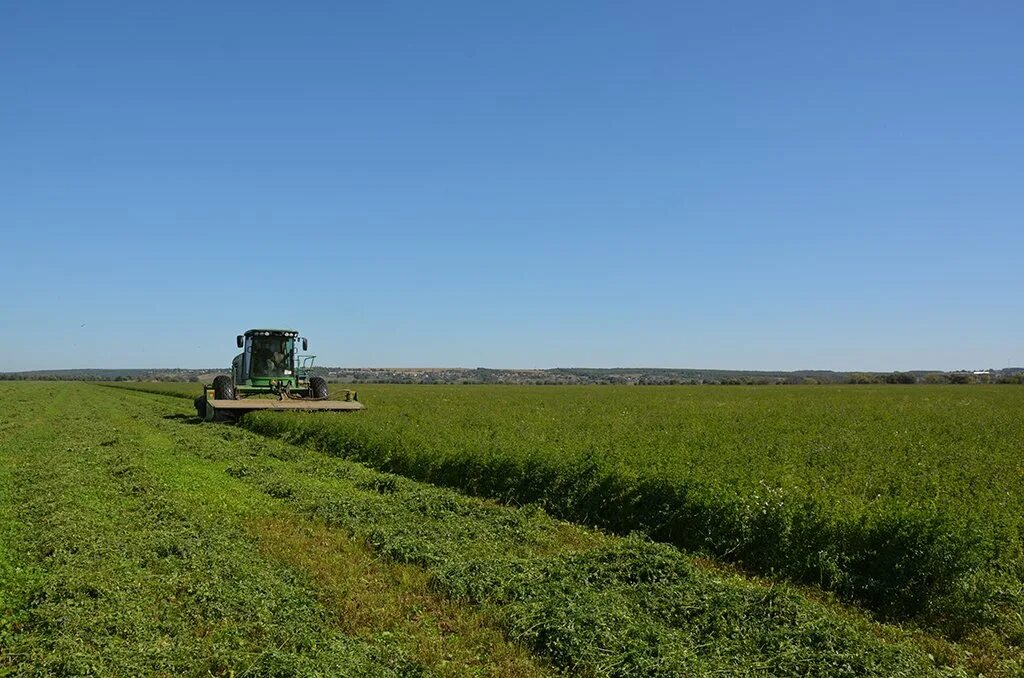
(270, 365)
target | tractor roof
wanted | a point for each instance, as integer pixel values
(290, 333)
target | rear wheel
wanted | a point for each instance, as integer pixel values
(200, 404)
(318, 388)
(223, 388)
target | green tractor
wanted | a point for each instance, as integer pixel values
(269, 374)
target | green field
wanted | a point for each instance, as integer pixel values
(135, 537)
(907, 500)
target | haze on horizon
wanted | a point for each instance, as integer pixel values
(721, 186)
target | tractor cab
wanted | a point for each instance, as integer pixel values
(269, 358)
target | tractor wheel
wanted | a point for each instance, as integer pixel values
(200, 403)
(223, 388)
(318, 388)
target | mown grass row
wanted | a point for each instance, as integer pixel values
(123, 552)
(924, 527)
(177, 389)
(115, 577)
(591, 603)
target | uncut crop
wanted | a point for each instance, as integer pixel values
(906, 500)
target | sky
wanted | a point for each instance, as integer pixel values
(733, 185)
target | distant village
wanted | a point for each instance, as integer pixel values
(659, 376)
(557, 376)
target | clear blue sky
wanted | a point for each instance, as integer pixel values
(739, 185)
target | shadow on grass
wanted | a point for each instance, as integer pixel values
(184, 418)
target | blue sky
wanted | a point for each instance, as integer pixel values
(732, 185)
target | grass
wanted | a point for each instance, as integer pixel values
(164, 546)
(136, 558)
(177, 389)
(907, 500)
(374, 596)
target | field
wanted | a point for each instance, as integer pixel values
(909, 501)
(135, 540)
(905, 500)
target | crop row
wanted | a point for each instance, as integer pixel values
(906, 502)
(177, 389)
(107, 569)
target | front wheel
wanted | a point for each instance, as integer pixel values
(200, 404)
(223, 388)
(318, 388)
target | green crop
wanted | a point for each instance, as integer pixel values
(178, 389)
(111, 571)
(906, 500)
(133, 541)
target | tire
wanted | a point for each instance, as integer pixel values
(318, 388)
(200, 403)
(223, 388)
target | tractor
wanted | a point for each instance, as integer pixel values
(269, 374)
